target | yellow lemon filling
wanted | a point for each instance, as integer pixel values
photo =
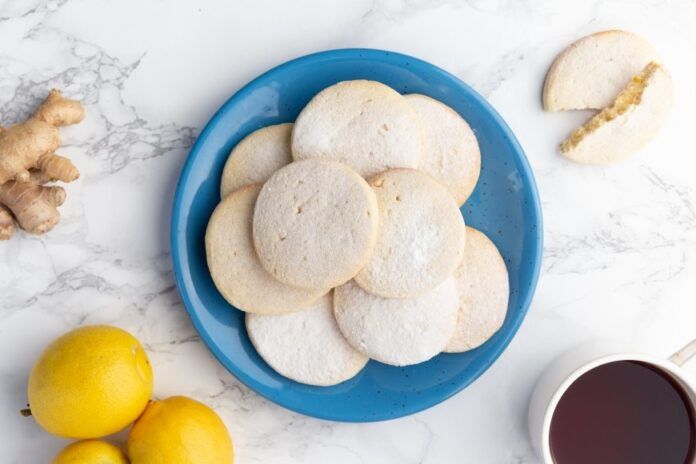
(628, 98)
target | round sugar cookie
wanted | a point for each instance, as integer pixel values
(593, 70)
(305, 346)
(397, 331)
(421, 235)
(484, 289)
(450, 150)
(234, 266)
(256, 157)
(364, 124)
(315, 224)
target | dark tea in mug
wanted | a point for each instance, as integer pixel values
(624, 412)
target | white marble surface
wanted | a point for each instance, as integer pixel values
(620, 253)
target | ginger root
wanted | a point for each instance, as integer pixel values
(27, 161)
(6, 223)
(34, 206)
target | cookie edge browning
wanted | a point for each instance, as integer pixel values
(571, 150)
(500, 262)
(220, 287)
(230, 163)
(460, 196)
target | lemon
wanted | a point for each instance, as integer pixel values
(179, 430)
(90, 452)
(91, 382)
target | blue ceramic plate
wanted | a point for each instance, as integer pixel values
(505, 205)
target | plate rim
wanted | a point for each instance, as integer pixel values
(175, 240)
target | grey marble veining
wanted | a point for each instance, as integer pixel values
(620, 242)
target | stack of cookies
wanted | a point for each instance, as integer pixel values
(341, 236)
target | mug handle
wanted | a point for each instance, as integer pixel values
(682, 356)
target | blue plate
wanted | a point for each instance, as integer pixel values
(505, 205)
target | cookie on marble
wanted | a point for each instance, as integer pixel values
(234, 266)
(364, 124)
(421, 235)
(450, 150)
(397, 331)
(305, 346)
(629, 123)
(483, 287)
(315, 224)
(256, 157)
(593, 70)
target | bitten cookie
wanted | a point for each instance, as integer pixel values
(593, 70)
(256, 157)
(305, 346)
(315, 224)
(484, 289)
(234, 266)
(632, 120)
(364, 124)
(394, 331)
(450, 149)
(421, 235)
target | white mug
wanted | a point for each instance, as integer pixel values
(566, 369)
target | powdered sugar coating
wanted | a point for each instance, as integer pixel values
(305, 346)
(365, 124)
(421, 235)
(397, 331)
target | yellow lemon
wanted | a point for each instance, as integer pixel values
(90, 452)
(179, 430)
(91, 382)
